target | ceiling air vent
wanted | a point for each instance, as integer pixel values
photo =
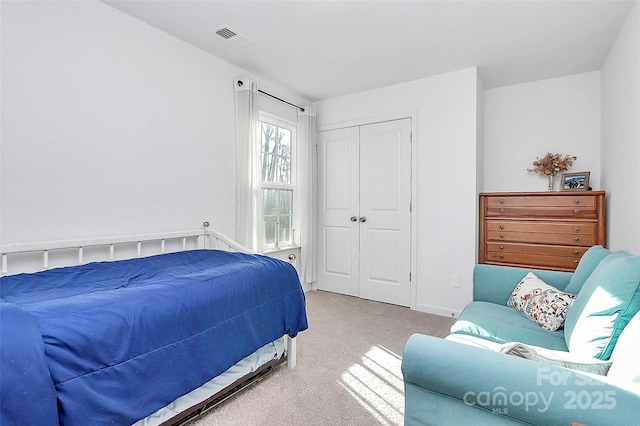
(232, 37)
(226, 33)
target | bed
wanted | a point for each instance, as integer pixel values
(166, 326)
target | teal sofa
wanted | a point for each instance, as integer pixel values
(465, 379)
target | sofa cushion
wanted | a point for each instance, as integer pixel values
(475, 341)
(588, 262)
(500, 323)
(608, 300)
(625, 366)
(541, 303)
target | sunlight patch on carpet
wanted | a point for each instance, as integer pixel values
(376, 383)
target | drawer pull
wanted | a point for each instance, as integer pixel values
(501, 210)
(576, 239)
(577, 230)
(502, 256)
(577, 211)
(577, 201)
(501, 235)
(501, 226)
(501, 247)
(577, 253)
(501, 200)
(575, 262)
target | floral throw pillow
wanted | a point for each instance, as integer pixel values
(543, 304)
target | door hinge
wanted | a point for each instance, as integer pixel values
(409, 276)
(410, 207)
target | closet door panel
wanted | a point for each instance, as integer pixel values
(385, 198)
(338, 195)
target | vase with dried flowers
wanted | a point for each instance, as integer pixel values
(552, 164)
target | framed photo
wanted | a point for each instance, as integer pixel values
(575, 181)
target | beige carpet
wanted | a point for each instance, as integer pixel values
(348, 369)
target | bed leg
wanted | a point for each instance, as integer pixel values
(291, 352)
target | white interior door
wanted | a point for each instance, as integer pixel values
(385, 200)
(364, 189)
(338, 195)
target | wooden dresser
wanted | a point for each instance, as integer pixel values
(542, 230)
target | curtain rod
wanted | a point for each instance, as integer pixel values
(241, 83)
(281, 100)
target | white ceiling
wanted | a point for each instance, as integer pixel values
(324, 49)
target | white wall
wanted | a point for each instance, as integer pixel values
(525, 121)
(110, 126)
(480, 149)
(621, 136)
(446, 195)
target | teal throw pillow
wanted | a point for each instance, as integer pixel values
(608, 300)
(588, 262)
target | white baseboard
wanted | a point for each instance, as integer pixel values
(437, 310)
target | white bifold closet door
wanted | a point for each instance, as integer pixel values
(364, 218)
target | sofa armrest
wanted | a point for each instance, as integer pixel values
(492, 283)
(513, 388)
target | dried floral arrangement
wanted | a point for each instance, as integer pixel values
(552, 164)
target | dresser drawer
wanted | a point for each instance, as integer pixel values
(576, 206)
(567, 233)
(537, 201)
(574, 228)
(537, 249)
(546, 257)
(543, 211)
(539, 238)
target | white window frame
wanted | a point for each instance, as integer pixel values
(293, 127)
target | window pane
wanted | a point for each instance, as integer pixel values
(267, 143)
(285, 229)
(269, 230)
(278, 208)
(271, 201)
(267, 137)
(283, 170)
(276, 154)
(285, 201)
(284, 160)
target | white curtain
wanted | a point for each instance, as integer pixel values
(247, 157)
(307, 192)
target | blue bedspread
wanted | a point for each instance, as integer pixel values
(115, 341)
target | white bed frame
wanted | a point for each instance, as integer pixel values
(32, 257)
(107, 248)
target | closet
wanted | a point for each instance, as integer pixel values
(364, 211)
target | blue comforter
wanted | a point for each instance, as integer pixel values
(112, 342)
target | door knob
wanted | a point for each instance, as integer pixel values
(363, 219)
(354, 218)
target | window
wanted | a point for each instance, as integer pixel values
(277, 155)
